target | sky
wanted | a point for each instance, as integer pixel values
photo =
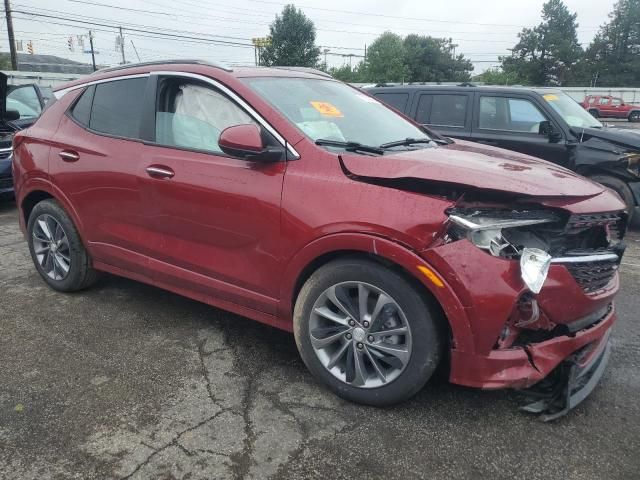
(221, 30)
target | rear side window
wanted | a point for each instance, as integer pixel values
(395, 100)
(82, 109)
(117, 107)
(448, 110)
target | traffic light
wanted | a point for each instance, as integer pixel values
(30, 47)
(70, 44)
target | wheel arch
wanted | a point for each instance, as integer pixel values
(384, 252)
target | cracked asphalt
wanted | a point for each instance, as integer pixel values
(126, 381)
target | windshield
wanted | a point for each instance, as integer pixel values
(329, 110)
(571, 111)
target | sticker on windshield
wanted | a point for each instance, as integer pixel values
(327, 109)
(550, 97)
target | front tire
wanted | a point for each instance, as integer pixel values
(56, 249)
(621, 188)
(367, 332)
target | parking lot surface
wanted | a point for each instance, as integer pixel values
(128, 381)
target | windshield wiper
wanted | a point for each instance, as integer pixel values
(406, 141)
(350, 146)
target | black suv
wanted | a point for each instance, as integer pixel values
(542, 122)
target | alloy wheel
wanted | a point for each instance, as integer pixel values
(51, 247)
(360, 334)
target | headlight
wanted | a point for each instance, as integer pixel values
(484, 228)
(633, 163)
(490, 231)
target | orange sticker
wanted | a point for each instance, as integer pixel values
(326, 109)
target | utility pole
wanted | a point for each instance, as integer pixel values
(135, 50)
(325, 51)
(12, 40)
(122, 46)
(93, 55)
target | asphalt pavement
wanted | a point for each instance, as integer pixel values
(128, 381)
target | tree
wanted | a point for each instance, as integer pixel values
(546, 54)
(293, 40)
(5, 61)
(495, 76)
(613, 58)
(346, 73)
(385, 59)
(431, 59)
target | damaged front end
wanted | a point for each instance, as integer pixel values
(547, 303)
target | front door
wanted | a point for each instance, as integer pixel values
(216, 217)
(513, 123)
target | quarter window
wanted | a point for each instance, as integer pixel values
(192, 115)
(117, 107)
(509, 114)
(81, 111)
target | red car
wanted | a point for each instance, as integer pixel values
(607, 106)
(298, 201)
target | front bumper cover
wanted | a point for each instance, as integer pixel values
(569, 384)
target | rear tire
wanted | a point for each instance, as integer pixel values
(368, 371)
(634, 117)
(594, 113)
(56, 249)
(621, 188)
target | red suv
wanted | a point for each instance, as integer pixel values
(611, 107)
(298, 201)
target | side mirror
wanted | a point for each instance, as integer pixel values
(245, 141)
(547, 129)
(11, 115)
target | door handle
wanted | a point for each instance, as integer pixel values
(159, 172)
(69, 156)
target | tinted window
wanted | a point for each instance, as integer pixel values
(117, 107)
(395, 100)
(82, 109)
(190, 115)
(509, 114)
(448, 110)
(424, 108)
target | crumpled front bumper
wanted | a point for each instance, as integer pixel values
(569, 384)
(525, 366)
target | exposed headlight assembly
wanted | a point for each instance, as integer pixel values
(485, 229)
(633, 162)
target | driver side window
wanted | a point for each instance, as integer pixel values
(192, 115)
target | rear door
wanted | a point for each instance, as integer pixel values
(448, 113)
(605, 107)
(512, 121)
(96, 161)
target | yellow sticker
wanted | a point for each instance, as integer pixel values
(326, 109)
(550, 97)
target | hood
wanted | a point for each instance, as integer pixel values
(478, 167)
(627, 138)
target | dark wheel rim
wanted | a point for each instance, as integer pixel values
(51, 247)
(360, 334)
(634, 117)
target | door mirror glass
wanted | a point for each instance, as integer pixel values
(245, 141)
(547, 129)
(11, 115)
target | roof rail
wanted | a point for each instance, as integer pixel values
(163, 62)
(313, 71)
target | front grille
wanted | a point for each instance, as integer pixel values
(6, 183)
(593, 276)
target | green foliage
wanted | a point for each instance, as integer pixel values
(430, 59)
(495, 76)
(348, 74)
(385, 59)
(293, 40)
(546, 54)
(613, 58)
(5, 61)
